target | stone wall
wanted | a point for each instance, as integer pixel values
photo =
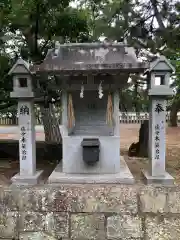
(90, 212)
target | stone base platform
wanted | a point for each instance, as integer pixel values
(123, 177)
(167, 179)
(27, 180)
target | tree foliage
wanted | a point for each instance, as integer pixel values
(28, 28)
(152, 27)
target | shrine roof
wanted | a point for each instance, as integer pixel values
(96, 57)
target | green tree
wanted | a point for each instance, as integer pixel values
(29, 30)
(150, 26)
(175, 106)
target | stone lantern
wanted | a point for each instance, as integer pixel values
(160, 69)
(23, 92)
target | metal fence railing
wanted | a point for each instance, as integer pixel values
(7, 121)
(131, 117)
(124, 117)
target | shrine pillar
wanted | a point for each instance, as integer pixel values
(23, 92)
(159, 90)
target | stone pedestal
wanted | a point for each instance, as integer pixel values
(109, 159)
(110, 167)
(165, 179)
(124, 176)
(20, 179)
(27, 144)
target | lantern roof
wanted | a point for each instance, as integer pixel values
(20, 67)
(161, 64)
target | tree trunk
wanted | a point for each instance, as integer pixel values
(173, 113)
(51, 125)
(143, 139)
(140, 149)
(173, 117)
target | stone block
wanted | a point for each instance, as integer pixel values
(85, 227)
(55, 224)
(32, 221)
(84, 198)
(44, 199)
(124, 227)
(31, 199)
(159, 228)
(8, 224)
(37, 236)
(59, 200)
(173, 200)
(153, 199)
(8, 199)
(99, 199)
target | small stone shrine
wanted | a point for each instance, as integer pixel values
(91, 76)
